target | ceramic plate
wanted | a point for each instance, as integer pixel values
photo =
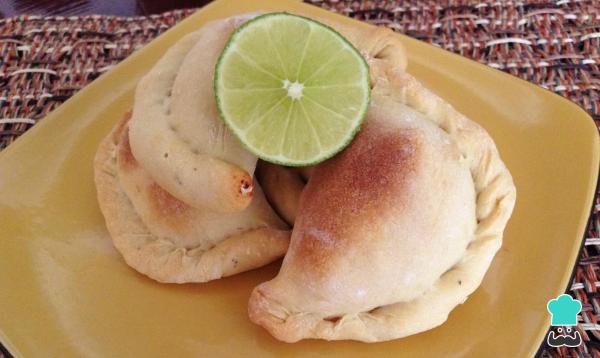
(65, 291)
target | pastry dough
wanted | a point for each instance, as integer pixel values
(170, 241)
(395, 231)
(183, 206)
(176, 131)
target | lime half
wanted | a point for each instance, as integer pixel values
(293, 90)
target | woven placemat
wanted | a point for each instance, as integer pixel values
(44, 61)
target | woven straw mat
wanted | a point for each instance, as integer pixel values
(555, 44)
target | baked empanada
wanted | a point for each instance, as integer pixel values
(184, 207)
(170, 241)
(394, 232)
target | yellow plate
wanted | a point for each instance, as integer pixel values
(64, 290)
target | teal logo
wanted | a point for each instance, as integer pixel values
(564, 310)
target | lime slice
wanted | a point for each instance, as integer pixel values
(293, 90)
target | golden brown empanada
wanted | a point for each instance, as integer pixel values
(394, 232)
(170, 241)
(184, 208)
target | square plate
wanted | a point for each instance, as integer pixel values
(66, 292)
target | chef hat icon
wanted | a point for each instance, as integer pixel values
(564, 310)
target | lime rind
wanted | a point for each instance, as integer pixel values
(241, 133)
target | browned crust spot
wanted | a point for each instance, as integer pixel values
(165, 206)
(165, 203)
(126, 160)
(245, 186)
(373, 174)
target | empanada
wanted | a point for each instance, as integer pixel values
(184, 207)
(170, 241)
(394, 232)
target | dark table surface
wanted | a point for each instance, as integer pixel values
(86, 7)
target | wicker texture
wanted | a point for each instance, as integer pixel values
(44, 61)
